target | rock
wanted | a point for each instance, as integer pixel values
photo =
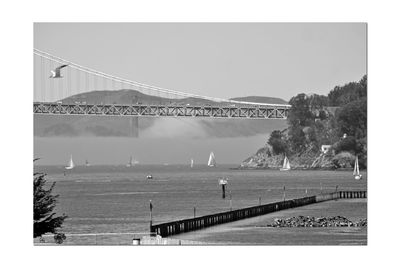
(301, 221)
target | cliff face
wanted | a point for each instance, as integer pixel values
(265, 159)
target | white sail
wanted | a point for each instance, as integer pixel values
(286, 164)
(356, 172)
(191, 163)
(356, 168)
(211, 161)
(132, 162)
(71, 164)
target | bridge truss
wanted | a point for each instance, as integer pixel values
(252, 112)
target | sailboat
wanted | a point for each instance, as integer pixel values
(286, 164)
(191, 163)
(132, 162)
(356, 172)
(87, 164)
(211, 161)
(70, 164)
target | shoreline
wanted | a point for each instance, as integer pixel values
(293, 169)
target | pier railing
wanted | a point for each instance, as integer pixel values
(192, 224)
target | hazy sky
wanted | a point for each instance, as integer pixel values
(217, 60)
(220, 60)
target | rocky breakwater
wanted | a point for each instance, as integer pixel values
(307, 221)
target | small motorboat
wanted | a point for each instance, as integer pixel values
(149, 176)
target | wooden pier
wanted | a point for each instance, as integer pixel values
(192, 224)
(352, 194)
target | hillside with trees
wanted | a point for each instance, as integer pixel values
(336, 122)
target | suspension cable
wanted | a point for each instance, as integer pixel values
(142, 85)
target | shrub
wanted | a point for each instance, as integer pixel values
(349, 144)
(343, 160)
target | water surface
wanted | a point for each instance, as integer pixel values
(115, 199)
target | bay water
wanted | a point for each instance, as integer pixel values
(116, 199)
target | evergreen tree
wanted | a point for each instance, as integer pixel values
(44, 202)
(352, 118)
(300, 113)
(299, 117)
(277, 142)
(342, 95)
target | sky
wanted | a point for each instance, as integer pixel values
(216, 59)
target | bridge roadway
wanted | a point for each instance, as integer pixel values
(144, 110)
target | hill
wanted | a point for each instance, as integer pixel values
(127, 96)
(323, 131)
(261, 99)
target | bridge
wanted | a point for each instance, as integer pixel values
(70, 90)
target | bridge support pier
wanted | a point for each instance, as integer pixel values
(134, 127)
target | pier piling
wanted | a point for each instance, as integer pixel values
(223, 191)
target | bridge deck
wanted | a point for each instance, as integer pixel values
(238, 112)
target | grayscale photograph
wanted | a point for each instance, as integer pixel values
(200, 134)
